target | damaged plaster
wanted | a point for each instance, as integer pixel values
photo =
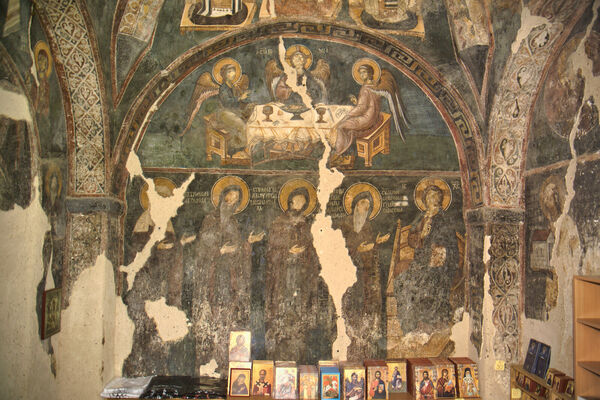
(171, 322)
(162, 210)
(24, 362)
(337, 268)
(209, 369)
(14, 105)
(493, 384)
(567, 252)
(528, 23)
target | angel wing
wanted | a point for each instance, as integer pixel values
(322, 71)
(205, 88)
(388, 88)
(272, 72)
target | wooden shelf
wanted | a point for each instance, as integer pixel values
(592, 366)
(586, 336)
(591, 279)
(591, 322)
(533, 377)
(542, 382)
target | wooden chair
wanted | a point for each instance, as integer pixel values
(376, 142)
(217, 140)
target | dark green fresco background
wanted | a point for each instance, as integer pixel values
(190, 216)
(428, 146)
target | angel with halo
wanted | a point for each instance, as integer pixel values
(366, 113)
(231, 86)
(300, 58)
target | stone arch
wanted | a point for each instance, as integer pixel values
(81, 81)
(445, 98)
(513, 107)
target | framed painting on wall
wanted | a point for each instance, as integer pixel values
(51, 306)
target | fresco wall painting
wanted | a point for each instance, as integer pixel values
(248, 231)
(249, 114)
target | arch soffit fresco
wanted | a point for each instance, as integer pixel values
(442, 94)
(506, 176)
(73, 43)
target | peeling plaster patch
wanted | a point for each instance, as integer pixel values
(493, 384)
(567, 252)
(590, 262)
(210, 369)
(337, 269)
(33, 69)
(460, 334)
(487, 243)
(124, 329)
(171, 322)
(528, 22)
(162, 209)
(14, 105)
(415, 338)
(24, 365)
(79, 344)
(292, 79)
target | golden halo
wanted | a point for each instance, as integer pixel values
(163, 187)
(293, 184)
(559, 184)
(224, 183)
(216, 71)
(366, 61)
(424, 184)
(358, 188)
(53, 170)
(302, 49)
(43, 46)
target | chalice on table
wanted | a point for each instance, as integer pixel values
(321, 111)
(267, 110)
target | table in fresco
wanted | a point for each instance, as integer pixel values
(293, 135)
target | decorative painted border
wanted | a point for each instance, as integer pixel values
(481, 97)
(117, 93)
(453, 109)
(505, 289)
(70, 34)
(513, 107)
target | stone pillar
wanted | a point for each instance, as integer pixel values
(504, 267)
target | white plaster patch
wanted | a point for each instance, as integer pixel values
(590, 262)
(24, 365)
(33, 69)
(292, 77)
(415, 338)
(337, 269)
(123, 335)
(460, 334)
(528, 23)
(493, 384)
(557, 331)
(210, 369)
(80, 343)
(162, 209)
(14, 105)
(171, 322)
(487, 243)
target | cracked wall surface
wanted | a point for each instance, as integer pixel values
(218, 194)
